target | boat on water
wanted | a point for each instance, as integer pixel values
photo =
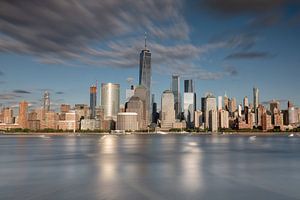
(291, 135)
(44, 136)
(252, 138)
(161, 132)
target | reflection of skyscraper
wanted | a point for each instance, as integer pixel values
(176, 92)
(145, 75)
(110, 100)
(93, 101)
(46, 101)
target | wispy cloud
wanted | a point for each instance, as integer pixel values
(21, 92)
(249, 55)
(56, 31)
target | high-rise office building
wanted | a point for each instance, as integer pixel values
(213, 120)
(274, 105)
(136, 105)
(226, 102)
(46, 101)
(188, 86)
(176, 92)
(93, 101)
(232, 105)
(155, 115)
(145, 75)
(8, 115)
(23, 111)
(245, 102)
(210, 104)
(129, 93)
(220, 102)
(110, 100)
(189, 107)
(167, 110)
(256, 103)
(127, 121)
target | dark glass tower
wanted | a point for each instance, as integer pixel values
(145, 75)
(93, 101)
(176, 92)
(188, 86)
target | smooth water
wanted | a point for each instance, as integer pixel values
(149, 167)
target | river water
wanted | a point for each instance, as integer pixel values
(149, 167)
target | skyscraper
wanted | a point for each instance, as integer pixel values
(255, 103)
(274, 105)
(255, 97)
(210, 105)
(176, 92)
(110, 100)
(93, 101)
(245, 102)
(145, 75)
(23, 111)
(188, 86)
(46, 102)
(167, 110)
(220, 103)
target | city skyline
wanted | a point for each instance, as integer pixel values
(254, 44)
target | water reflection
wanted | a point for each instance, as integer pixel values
(149, 167)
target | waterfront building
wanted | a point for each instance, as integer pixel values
(232, 105)
(240, 110)
(93, 101)
(220, 103)
(226, 102)
(23, 111)
(110, 100)
(256, 104)
(274, 105)
(223, 120)
(155, 114)
(213, 120)
(189, 107)
(266, 122)
(129, 93)
(210, 104)
(245, 102)
(90, 124)
(198, 118)
(82, 111)
(70, 123)
(258, 115)
(136, 105)
(145, 77)
(177, 96)
(167, 110)
(46, 101)
(8, 115)
(51, 120)
(64, 108)
(188, 86)
(127, 121)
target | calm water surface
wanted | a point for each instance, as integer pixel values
(150, 167)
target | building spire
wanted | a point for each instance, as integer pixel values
(145, 40)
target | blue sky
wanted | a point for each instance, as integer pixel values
(64, 47)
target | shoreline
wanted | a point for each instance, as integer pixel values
(263, 134)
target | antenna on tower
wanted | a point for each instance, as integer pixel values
(145, 40)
